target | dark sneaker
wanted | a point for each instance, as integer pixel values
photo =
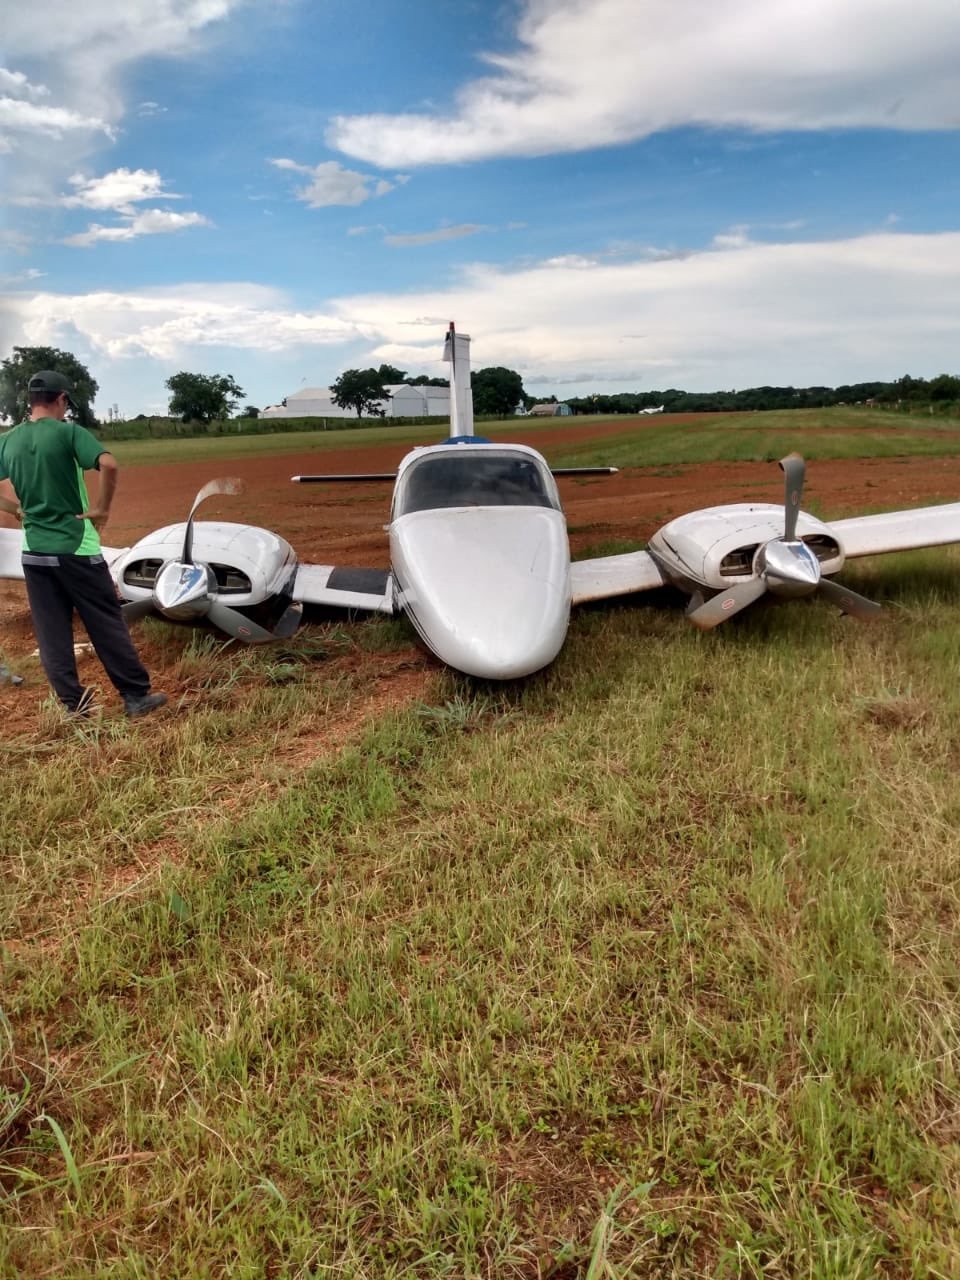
(143, 706)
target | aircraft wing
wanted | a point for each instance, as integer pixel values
(898, 530)
(344, 588)
(613, 576)
(11, 545)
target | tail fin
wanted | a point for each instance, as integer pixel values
(456, 351)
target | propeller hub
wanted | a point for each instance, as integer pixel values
(183, 591)
(789, 568)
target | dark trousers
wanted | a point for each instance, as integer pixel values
(58, 585)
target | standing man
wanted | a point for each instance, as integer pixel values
(45, 458)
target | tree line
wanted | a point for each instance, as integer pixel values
(943, 389)
(497, 392)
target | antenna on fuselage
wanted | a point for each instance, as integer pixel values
(456, 352)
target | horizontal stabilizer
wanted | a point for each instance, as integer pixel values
(614, 576)
(584, 471)
(373, 475)
(344, 587)
(898, 530)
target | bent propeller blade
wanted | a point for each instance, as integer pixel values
(723, 606)
(237, 625)
(849, 601)
(227, 484)
(133, 610)
(793, 467)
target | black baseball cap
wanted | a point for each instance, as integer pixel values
(50, 380)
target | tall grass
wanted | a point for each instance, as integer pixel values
(646, 966)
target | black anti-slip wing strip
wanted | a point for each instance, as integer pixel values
(372, 582)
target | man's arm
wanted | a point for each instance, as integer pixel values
(100, 512)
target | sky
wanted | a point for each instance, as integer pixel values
(608, 195)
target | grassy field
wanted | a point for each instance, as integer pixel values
(730, 437)
(765, 437)
(647, 966)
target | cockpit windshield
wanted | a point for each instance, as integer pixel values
(474, 479)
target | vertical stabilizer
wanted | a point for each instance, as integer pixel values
(456, 350)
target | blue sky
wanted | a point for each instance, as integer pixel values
(607, 194)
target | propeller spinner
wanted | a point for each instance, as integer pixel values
(187, 591)
(784, 566)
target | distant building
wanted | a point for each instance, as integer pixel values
(404, 402)
(549, 409)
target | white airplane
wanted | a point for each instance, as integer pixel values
(480, 561)
(659, 409)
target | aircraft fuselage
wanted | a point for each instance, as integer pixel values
(480, 557)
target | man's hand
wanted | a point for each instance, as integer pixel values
(97, 516)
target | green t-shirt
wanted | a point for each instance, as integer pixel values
(46, 460)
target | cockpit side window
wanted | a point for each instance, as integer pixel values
(474, 480)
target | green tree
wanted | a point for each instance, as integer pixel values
(361, 389)
(391, 374)
(201, 397)
(944, 387)
(17, 370)
(496, 391)
(250, 411)
(907, 388)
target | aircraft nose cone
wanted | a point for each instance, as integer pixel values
(790, 568)
(182, 590)
(488, 589)
(493, 646)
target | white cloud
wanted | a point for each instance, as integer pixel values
(802, 313)
(14, 241)
(150, 222)
(591, 73)
(575, 261)
(17, 83)
(117, 191)
(83, 51)
(170, 323)
(120, 32)
(805, 313)
(433, 237)
(735, 238)
(332, 184)
(20, 117)
(22, 277)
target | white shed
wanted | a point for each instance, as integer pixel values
(405, 402)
